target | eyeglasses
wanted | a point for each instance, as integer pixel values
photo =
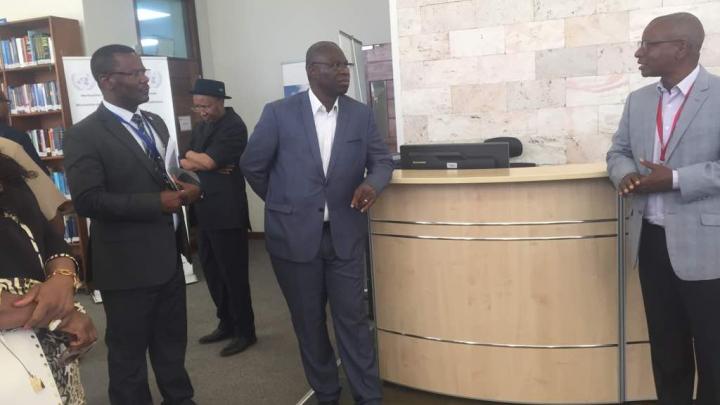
(135, 73)
(336, 65)
(199, 108)
(646, 44)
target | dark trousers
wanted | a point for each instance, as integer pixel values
(150, 319)
(682, 316)
(224, 258)
(307, 288)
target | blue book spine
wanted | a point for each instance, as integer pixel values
(5, 53)
(59, 138)
(66, 189)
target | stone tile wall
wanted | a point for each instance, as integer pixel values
(554, 73)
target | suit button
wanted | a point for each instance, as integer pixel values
(321, 209)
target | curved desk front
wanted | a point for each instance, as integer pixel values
(504, 284)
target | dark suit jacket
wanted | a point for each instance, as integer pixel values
(24, 140)
(113, 182)
(283, 166)
(224, 203)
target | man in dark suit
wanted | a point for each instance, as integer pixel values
(308, 158)
(115, 169)
(222, 213)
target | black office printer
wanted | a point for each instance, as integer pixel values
(491, 154)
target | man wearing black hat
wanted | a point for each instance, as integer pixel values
(216, 145)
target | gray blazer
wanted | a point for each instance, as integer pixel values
(692, 213)
(282, 164)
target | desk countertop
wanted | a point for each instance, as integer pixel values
(512, 175)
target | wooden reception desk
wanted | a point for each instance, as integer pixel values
(503, 285)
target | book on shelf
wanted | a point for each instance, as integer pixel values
(34, 97)
(61, 183)
(35, 48)
(71, 229)
(48, 142)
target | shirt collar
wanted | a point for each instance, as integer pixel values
(121, 112)
(685, 84)
(317, 105)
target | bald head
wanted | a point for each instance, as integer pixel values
(328, 71)
(684, 26)
(319, 50)
(670, 47)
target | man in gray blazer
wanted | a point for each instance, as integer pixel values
(307, 158)
(665, 157)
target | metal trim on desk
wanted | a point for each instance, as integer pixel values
(503, 345)
(497, 239)
(510, 223)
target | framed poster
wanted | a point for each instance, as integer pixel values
(294, 78)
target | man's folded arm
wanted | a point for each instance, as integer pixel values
(228, 145)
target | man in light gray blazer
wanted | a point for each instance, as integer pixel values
(665, 157)
(307, 158)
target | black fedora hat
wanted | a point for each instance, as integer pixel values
(208, 87)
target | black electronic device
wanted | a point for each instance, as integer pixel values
(488, 155)
(516, 149)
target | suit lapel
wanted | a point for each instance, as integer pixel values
(122, 134)
(159, 129)
(648, 131)
(340, 132)
(309, 123)
(697, 97)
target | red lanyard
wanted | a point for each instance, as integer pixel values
(660, 124)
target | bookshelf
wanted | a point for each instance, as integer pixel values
(33, 79)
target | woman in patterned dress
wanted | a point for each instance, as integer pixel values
(37, 285)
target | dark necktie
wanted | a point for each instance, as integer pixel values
(152, 151)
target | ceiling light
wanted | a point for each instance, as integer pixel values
(149, 42)
(145, 14)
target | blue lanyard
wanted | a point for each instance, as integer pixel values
(146, 138)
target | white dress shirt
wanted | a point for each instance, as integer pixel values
(325, 124)
(127, 122)
(671, 102)
(127, 117)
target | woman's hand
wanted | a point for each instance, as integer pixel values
(81, 327)
(54, 299)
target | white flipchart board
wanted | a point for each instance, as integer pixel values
(352, 48)
(84, 97)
